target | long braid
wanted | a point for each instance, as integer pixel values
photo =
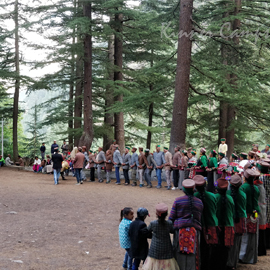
(190, 200)
(201, 191)
(223, 207)
(234, 196)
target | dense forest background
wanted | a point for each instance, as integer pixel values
(91, 71)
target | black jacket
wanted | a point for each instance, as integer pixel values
(138, 234)
(57, 161)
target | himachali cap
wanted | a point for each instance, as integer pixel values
(166, 148)
(177, 147)
(134, 148)
(90, 151)
(268, 145)
(234, 155)
(266, 160)
(146, 150)
(142, 212)
(222, 167)
(221, 154)
(214, 152)
(203, 150)
(188, 183)
(184, 151)
(263, 166)
(243, 155)
(199, 180)
(161, 208)
(140, 148)
(223, 140)
(222, 183)
(158, 145)
(236, 180)
(127, 147)
(251, 153)
(193, 152)
(249, 173)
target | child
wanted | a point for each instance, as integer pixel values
(126, 217)
(138, 236)
(161, 251)
(223, 147)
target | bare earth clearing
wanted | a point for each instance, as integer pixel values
(44, 226)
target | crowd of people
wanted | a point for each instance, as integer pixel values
(223, 219)
(211, 230)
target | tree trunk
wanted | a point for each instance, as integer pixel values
(150, 122)
(87, 136)
(233, 80)
(109, 117)
(17, 84)
(79, 85)
(70, 105)
(180, 104)
(78, 100)
(223, 109)
(118, 76)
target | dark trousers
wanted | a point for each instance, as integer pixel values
(220, 253)
(262, 243)
(125, 171)
(92, 174)
(210, 181)
(175, 178)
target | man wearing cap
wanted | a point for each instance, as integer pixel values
(64, 148)
(42, 150)
(117, 161)
(186, 217)
(249, 247)
(78, 165)
(92, 160)
(100, 159)
(54, 145)
(134, 163)
(148, 171)
(266, 149)
(176, 161)
(57, 165)
(160, 161)
(142, 165)
(209, 235)
(126, 161)
(86, 160)
(138, 236)
(223, 147)
(168, 164)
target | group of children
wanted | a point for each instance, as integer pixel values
(133, 237)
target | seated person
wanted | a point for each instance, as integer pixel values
(8, 161)
(2, 161)
(20, 161)
(37, 163)
(42, 166)
(48, 168)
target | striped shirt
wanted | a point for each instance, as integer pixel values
(181, 215)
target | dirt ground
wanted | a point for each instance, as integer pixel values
(43, 226)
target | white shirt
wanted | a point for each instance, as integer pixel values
(37, 162)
